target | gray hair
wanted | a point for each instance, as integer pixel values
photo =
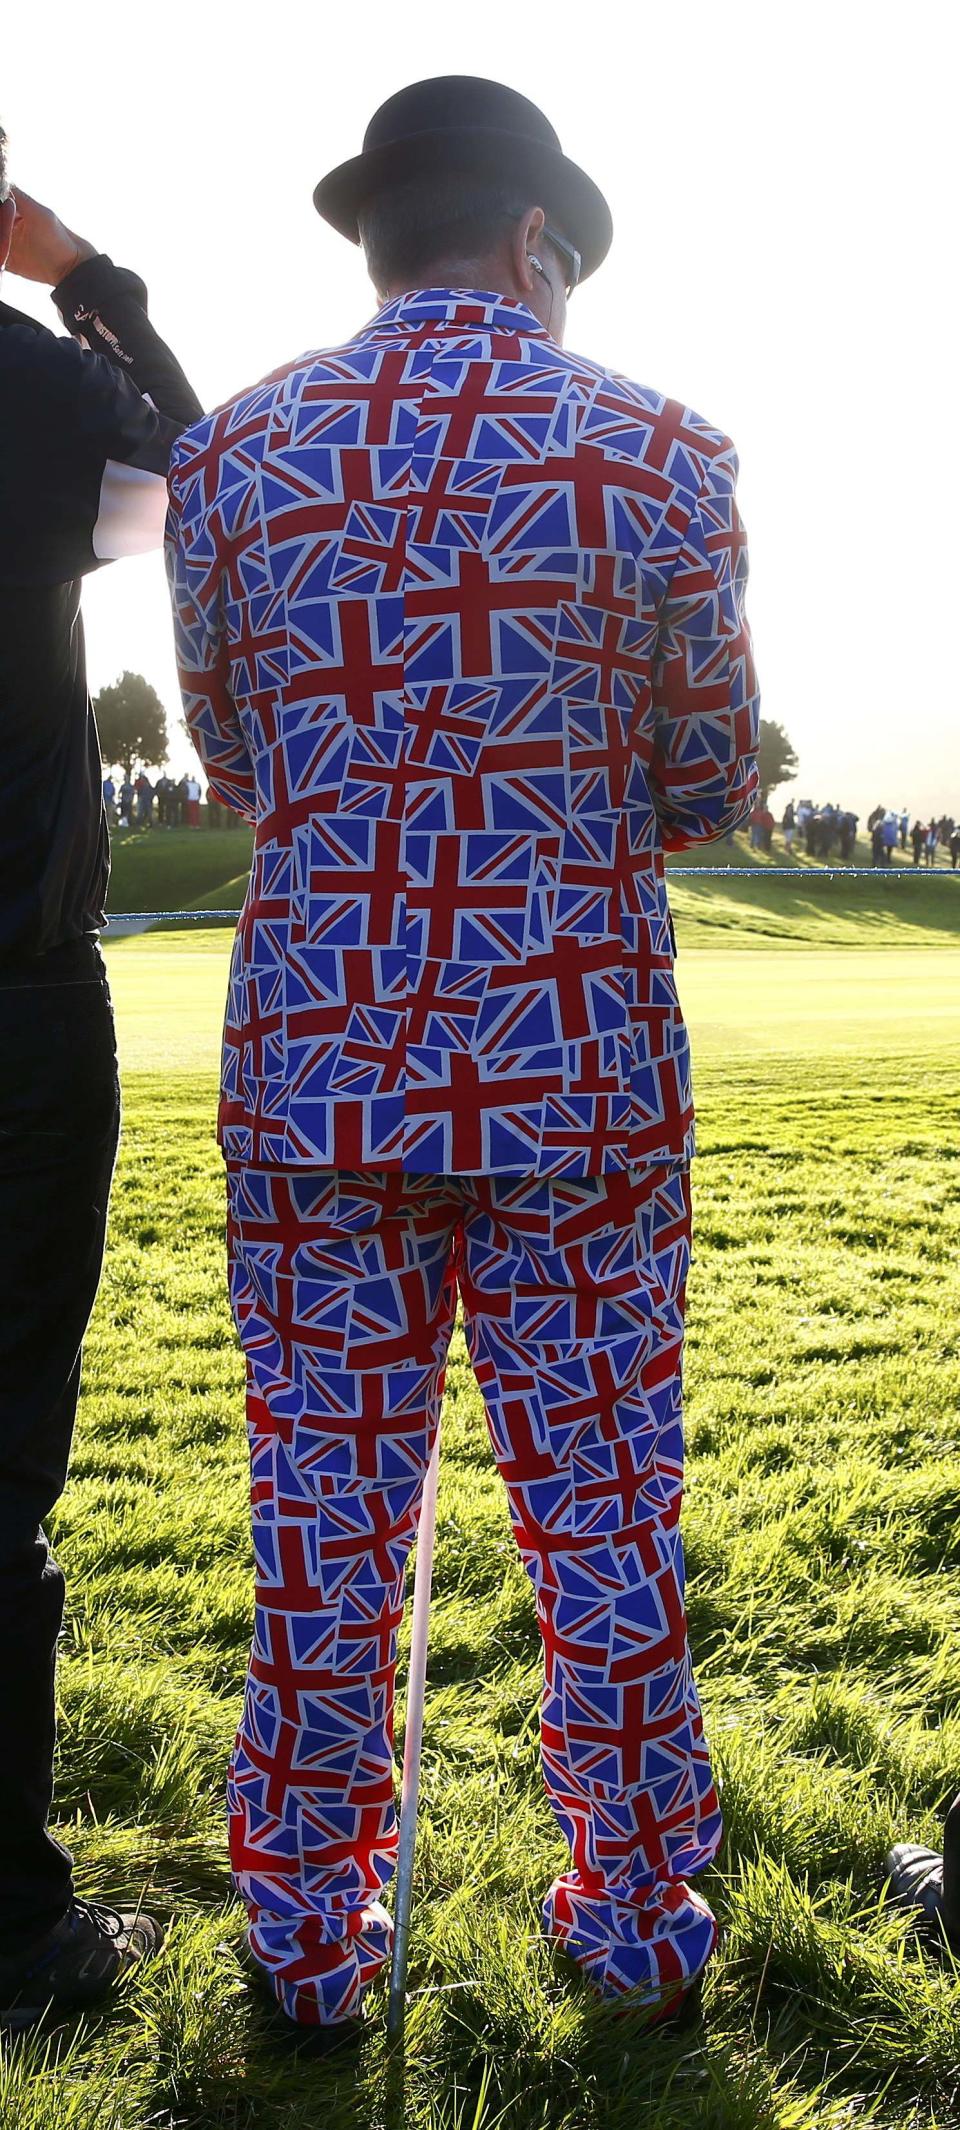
(4, 180)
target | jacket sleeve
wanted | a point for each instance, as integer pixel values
(703, 775)
(105, 306)
(193, 572)
(86, 431)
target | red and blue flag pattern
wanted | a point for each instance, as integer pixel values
(344, 1289)
(460, 627)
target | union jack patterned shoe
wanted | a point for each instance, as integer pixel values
(311, 2013)
(652, 1958)
(316, 1973)
(679, 2010)
(291, 2036)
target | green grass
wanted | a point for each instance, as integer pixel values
(823, 1541)
(860, 1009)
(899, 908)
(817, 907)
(180, 868)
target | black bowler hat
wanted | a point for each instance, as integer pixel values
(460, 123)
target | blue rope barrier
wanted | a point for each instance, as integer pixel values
(169, 916)
(883, 874)
(809, 872)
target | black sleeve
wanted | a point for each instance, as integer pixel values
(106, 306)
(83, 454)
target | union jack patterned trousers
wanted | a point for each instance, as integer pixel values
(344, 1290)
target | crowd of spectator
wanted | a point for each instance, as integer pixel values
(169, 803)
(888, 831)
(823, 832)
(927, 837)
(826, 832)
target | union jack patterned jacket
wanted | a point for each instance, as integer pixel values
(460, 629)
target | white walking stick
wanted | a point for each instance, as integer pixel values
(413, 1746)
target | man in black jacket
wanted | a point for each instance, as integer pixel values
(86, 426)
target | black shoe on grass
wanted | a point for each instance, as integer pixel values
(929, 1882)
(76, 1964)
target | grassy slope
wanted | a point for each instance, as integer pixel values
(899, 907)
(180, 869)
(193, 868)
(823, 1538)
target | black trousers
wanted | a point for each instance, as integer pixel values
(59, 1126)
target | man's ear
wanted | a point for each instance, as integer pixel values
(524, 242)
(8, 216)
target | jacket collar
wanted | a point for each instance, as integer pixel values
(455, 310)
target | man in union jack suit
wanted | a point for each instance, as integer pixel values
(461, 631)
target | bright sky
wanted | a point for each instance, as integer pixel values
(783, 188)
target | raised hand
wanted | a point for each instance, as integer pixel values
(42, 247)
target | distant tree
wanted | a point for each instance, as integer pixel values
(132, 723)
(777, 759)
